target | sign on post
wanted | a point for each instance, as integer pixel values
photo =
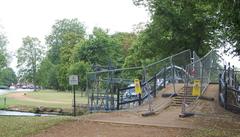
(138, 89)
(73, 80)
(196, 88)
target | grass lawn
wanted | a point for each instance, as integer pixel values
(214, 132)
(46, 98)
(52, 95)
(24, 126)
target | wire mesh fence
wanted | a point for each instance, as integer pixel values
(102, 86)
(114, 89)
(201, 72)
(229, 91)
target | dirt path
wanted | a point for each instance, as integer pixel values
(102, 129)
(131, 124)
(22, 96)
(127, 123)
(211, 108)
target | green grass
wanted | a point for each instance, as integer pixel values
(59, 99)
(24, 126)
(51, 95)
(215, 132)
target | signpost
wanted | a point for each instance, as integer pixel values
(73, 80)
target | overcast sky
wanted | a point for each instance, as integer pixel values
(19, 18)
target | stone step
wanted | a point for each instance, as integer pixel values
(178, 104)
(180, 100)
(186, 97)
(187, 100)
(185, 93)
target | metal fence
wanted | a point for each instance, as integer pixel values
(229, 91)
(205, 70)
(114, 89)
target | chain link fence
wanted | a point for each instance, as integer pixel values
(200, 73)
(114, 89)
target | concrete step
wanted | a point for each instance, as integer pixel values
(180, 100)
(185, 94)
(178, 104)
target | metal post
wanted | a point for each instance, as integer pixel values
(97, 88)
(87, 90)
(235, 81)
(155, 86)
(139, 99)
(92, 98)
(233, 77)
(164, 77)
(228, 82)
(201, 76)
(173, 77)
(5, 101)
(112, 86)
(74, 101)
(144, 74)
(224, 76)
(118, 94)
(220, 86)
(185, 91)
(225, 97)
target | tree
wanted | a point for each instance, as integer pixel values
(99, 49)
(7, 76)
(47, 75)
(66, 33)
(62, 34)
(80, 68)
(176, 26)
(28, 58)
(3, 51)
(125, 41)
(229, 24)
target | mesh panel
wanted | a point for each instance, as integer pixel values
(205, 69)
(107, 89)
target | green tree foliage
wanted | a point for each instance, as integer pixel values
(29, 57)
(229, 23)
(3, 51)
(7, 76)
(193, 24)
(80, 68)
(175, 26)
(126, 42)
(99, 49)
(65, 32)
(47, 75)
(72, 51)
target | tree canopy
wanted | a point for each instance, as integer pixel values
(29, 57)
(184, 24)
(175, 26)
(7, 75)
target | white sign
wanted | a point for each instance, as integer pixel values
(73, 79)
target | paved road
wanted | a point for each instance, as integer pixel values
(4, 91)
